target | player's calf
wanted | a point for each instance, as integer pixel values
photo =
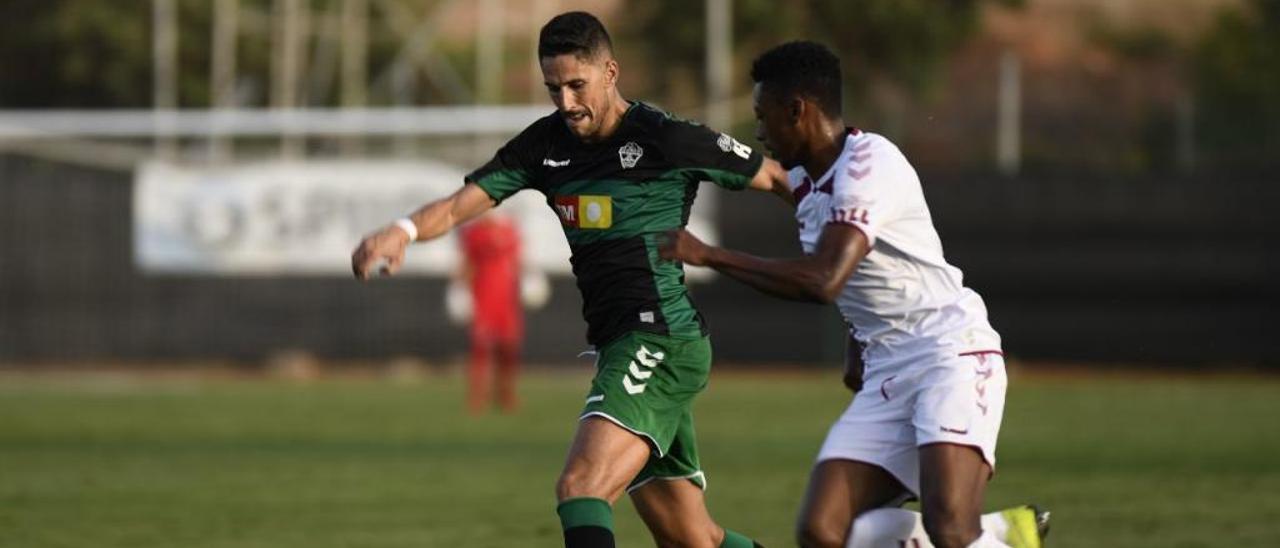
(817, 533)
(953, 480)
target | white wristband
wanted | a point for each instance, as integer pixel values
(408, 227)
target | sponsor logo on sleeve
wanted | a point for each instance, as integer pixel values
(727, 144)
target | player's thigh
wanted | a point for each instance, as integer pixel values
(953, 482)
(603, 459)
(839, 490)
(676, 514)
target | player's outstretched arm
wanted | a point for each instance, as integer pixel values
(772, 177)
(385, 248)
(816, 278)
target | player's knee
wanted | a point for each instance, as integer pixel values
(949, 530)
(578, 481)
(570, 485)
(814, 532)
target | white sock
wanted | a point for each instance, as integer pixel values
(888, 528)
(995, 524)
(895, 528)
(987, 540)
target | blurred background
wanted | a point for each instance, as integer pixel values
(184, 179)
(182, 183)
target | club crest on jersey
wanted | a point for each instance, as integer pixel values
(585, 211)
(630, 154)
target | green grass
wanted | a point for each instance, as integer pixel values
(1127, 462)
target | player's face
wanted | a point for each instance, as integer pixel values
(777, 127)
(581, 89)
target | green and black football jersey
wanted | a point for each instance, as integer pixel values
(614, 199)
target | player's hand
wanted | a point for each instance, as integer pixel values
(852, 381)
(853, 366)
(680, 245)
(380, 253)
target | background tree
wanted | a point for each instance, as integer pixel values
(898, 43)
(1237, 68)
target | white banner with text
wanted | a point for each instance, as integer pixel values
(306, 217)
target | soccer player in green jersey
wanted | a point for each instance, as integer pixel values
(619, 174)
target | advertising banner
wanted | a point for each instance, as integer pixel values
(306, 217)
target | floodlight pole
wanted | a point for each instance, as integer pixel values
(541, 12)
(287, 65)
(719, 48)
(1009, 115)
(489, 36)
(164, 90)
(355, 64)
(489, 53)
(222, 77)
(717, 112)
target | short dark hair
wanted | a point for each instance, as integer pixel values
(576, 32)
(801, 68)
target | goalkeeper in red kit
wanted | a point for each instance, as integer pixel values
(491, 268)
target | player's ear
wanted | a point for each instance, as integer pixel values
(611, 72)
(796, 108)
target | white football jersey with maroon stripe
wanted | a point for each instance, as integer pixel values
(903, 301)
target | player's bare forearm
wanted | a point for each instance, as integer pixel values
(772, 177)
(816, 278)
(384, 250)
(436, 218)
(801, 279)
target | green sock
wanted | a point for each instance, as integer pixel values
(587, 523)
(735, 540)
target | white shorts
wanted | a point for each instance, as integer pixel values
(958, 399)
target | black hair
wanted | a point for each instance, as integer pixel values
(576, 32)
(801, 68)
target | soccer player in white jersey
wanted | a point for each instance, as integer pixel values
(925, 423)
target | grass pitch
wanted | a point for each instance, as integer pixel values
(134, 462)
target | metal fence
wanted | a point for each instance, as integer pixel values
(1159, 271)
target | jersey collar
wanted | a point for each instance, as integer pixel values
(823, 183)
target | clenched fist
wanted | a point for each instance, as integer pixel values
(680, 245)
(383, 249)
